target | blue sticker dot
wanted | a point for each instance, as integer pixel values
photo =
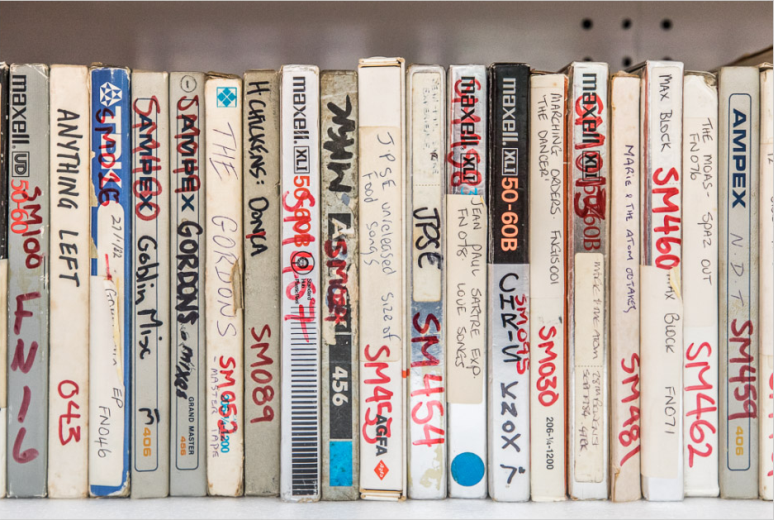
(467, 469)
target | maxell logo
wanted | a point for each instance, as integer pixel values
(510, 162)
(300, 130)
(510, 135)
(19, 130)
(20, 164)
(301, 159)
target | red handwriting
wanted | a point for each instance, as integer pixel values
(263, 393)
(546, 383)
(670, 222)
(109, 154)
(24, 215)
(745, 380)
(590, 198)
(590, 203)
(698, 424)
(377, 393)
(301, 262)
(466, 169)
(68, 390)
(302, 217)
(146, 188)
(430, 404)
(426, 340)
(337, 294)
(588, 108)
(24, 365)
(188, 144)
(228, 406)
(629, 436)
(296, 291)
(429, 399)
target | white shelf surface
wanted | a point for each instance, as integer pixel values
(238, 36)
(238, 508)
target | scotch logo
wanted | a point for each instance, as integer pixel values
(21, 164)
(109, 94)
(227, 97)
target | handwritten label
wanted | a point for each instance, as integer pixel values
(427, 378)
(188, 267)
(624, 282)
(547, 282)
(69, 284)
(590, 363)
(466, 327)
(150, 233)
(510, 384)
(108, 399)
(381, 309)
(428, 188)
(340, 324)
(662, 317)
(700, 283)
(742, 319)
(223, 288)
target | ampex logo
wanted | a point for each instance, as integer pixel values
(109, 94)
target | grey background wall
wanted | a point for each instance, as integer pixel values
(235, 36)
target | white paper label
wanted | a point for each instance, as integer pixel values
(69, 281)
(222, 287)
(509, 372)
(700, 286)
(589, 367)
(427, 364)
(106, 387)
(662, 336)
(381, 308)
(466, 218)
(547, 287)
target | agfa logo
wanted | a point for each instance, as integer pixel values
(381, 470)
(227, 97)
(109, 94)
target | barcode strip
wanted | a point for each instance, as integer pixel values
(304, 409)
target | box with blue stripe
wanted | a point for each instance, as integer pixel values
(110, 297)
